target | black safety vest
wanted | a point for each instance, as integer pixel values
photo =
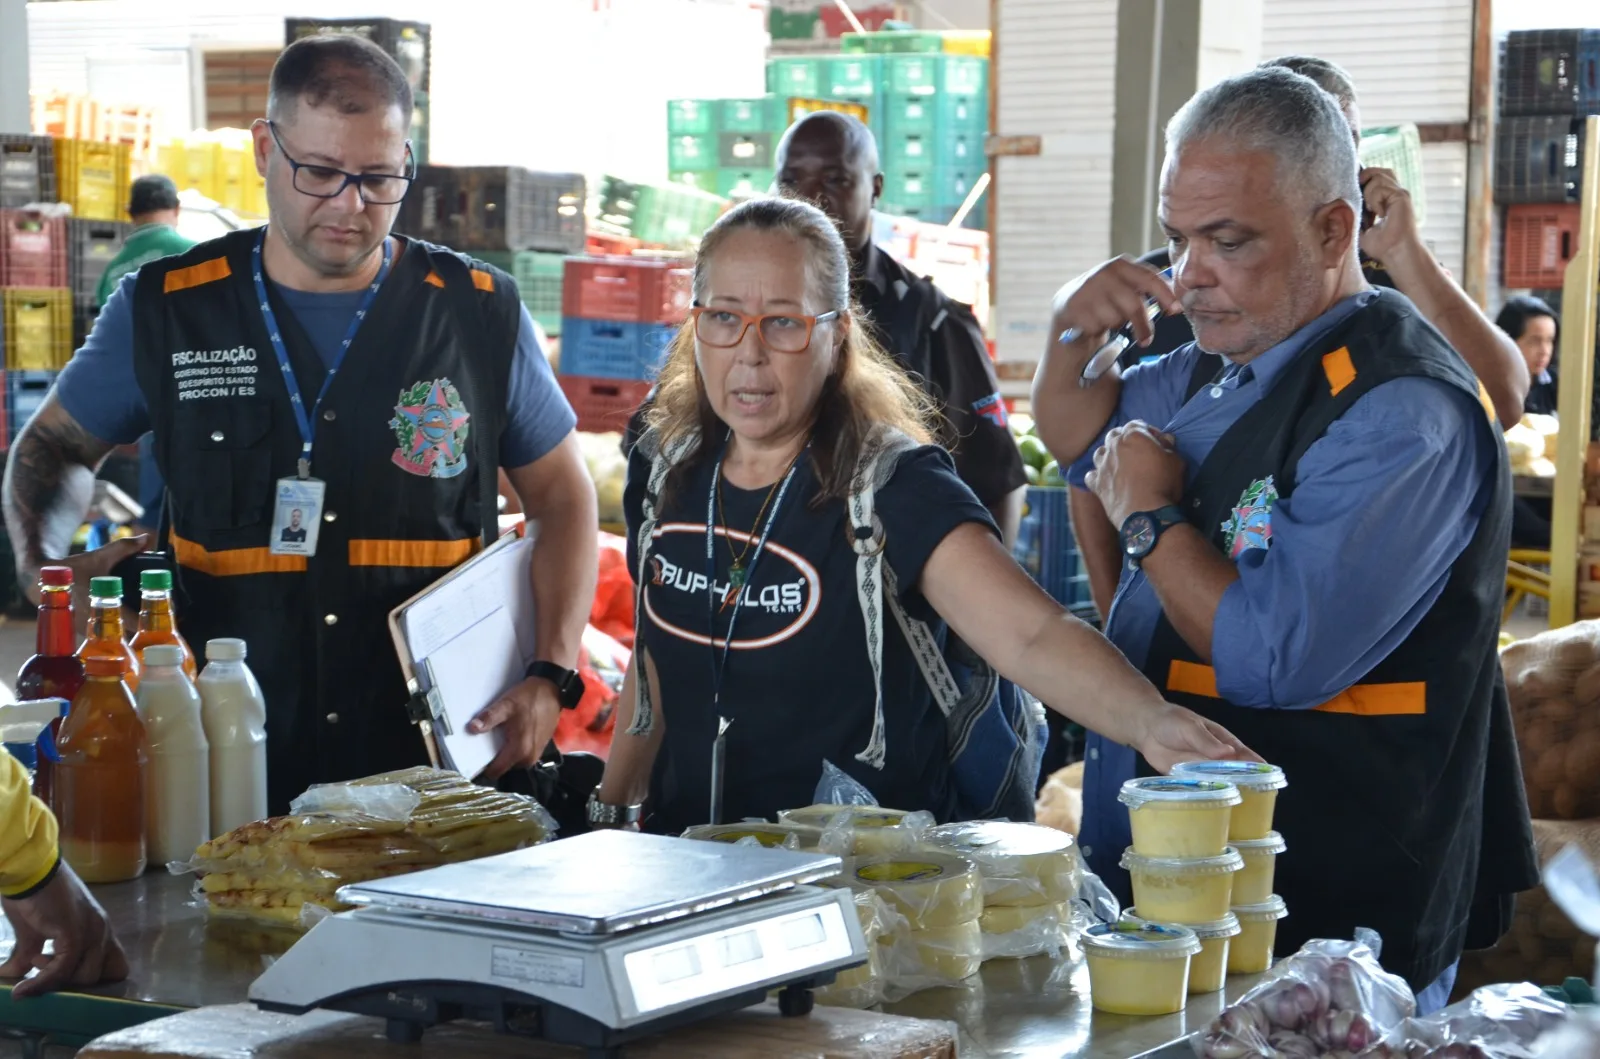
(1405, 810)
(400, 510)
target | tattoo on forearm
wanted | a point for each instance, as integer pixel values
(49, 485)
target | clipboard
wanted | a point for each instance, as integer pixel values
(462, 642)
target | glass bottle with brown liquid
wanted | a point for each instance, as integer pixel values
(54, 671)
(158, 623)
(105, 639)
(100, 779)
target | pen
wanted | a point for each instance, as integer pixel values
(1101, 360)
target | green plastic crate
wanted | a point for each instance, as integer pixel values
(891, 41)
(539, 278)
(956, 75)
(762, 114)
(909, 191)
(744, 183)
(704, 179)
(916, 151)
(852, 77)
(742, 150)
(801, 78)
(698, 151)
(688, 117)
(1397, 147)
(670, 214)
(905, 113)
(794, 25)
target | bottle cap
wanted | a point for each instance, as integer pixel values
(55, 576)
(226, 649)
(104, 667)
(163, 654)
(156, 580)
(105, 587)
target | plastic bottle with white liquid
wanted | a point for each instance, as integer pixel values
(235, 718)
(177, 803)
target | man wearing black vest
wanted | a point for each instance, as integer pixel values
(373, 382)
(1317, 537)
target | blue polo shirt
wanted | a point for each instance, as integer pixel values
(1384, 504)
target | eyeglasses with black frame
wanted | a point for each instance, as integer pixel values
(326, 182)
(779, 332)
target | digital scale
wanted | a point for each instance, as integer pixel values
(591, 941)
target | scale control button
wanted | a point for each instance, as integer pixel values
(332, 718)
(330, 619)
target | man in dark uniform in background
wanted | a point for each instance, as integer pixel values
(831, 159)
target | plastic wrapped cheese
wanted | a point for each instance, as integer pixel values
(860, 830)
(1021, 864)
(773, 836)
(926, 959)
(931, 890)
(856, 987)
(1013, 932)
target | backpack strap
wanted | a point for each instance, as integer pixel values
(874, 468)
(663, 458)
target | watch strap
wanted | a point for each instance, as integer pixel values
(568, 684)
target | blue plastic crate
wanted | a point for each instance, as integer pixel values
(1046, 549)
(25, 392)
(611, 349)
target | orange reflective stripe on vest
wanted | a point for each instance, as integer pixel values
(196, 275)
(1363, 700)
(411, 553)
(234, 562)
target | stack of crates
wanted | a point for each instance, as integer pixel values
(1047, 550)
(539, 279)
(219, 165)
(496, 208)
(27, 170)
(92, 245)
(670, 215)
(725, 146)
(93, 178)
(621, 316)
(35, 310)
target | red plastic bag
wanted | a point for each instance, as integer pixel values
(612, 612)
(602, 663)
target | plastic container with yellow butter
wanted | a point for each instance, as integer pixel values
(1258, 785)
(1183, 890)
(931, 890)
(860, 830)
(1253, 885)
(1179, 817)
(772, 836)
(1025, 865)
(1251, 952)
(1139, 968)
(1208, 971)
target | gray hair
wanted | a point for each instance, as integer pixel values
(827, 260)
(1285, 115)
(1329, 76)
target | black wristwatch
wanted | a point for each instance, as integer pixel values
(569, 686)
(1142, 529)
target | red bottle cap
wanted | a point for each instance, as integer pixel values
(104, 667)
(55, 576)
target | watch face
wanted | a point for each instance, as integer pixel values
(1139, 535)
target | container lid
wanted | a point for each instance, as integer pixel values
(1226, 927)
(1139, 940)
(1228, 861)
(55, 576)
(163, 654)
(156, 580)
(988, 841)
(857, 815)
(104, 667)
(1259, 847)
(1246, 775)
(1177, 790)
(105, 587)
(1267, 911)
(226, 649)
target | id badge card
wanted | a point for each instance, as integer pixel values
(297, 516)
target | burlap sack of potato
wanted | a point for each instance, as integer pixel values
(1554, 683)
(1543, 946)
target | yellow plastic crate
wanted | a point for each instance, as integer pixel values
(967, 42)
(36, 327)
(238, 186)
(93, 178)
(191, 164)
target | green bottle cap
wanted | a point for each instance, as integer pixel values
(105, 587)
(156, 580)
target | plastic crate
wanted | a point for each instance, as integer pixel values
(25, 392)
(1398, 147)
(83, 317)
(851, 76)
(613, 349)
(408, 43)
(796, 77)
(745, 150)
(768, 114)
(744, 183)
(540, 278)
(1045, 547)
(1540, 240)
(1541, 72)
(27, 170)
(688, 117)
(604, 404)
(921, 189)
(1538, 159)
(33, 249)
(933, 114)
(958, 151)
(704, 179)
(890, 41)
(671, 214)
(92, 178)
(36, 328)
(1589, 72)
(92, 246)
(956, 75)
(496, 208)
(697, 151)
(629, 290)
(794, 25)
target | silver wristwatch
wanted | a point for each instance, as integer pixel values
(604, 815)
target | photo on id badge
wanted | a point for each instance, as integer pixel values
(297, 516)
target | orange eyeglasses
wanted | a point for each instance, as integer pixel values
(779, 332)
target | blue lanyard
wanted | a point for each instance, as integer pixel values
(719, 665)
(306, 420)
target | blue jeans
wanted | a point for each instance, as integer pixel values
(1437, 995)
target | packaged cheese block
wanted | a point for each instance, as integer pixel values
(772, 836)
(931, 890)
(925, 959)
(1021, 864)
(1013, 932)
(857, 987)
(860, 830)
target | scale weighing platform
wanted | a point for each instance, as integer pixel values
(590, 941)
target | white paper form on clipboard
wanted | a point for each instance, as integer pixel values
(465, 640)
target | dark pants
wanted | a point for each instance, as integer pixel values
(1530, 523)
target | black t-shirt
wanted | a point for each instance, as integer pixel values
(798, 682)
